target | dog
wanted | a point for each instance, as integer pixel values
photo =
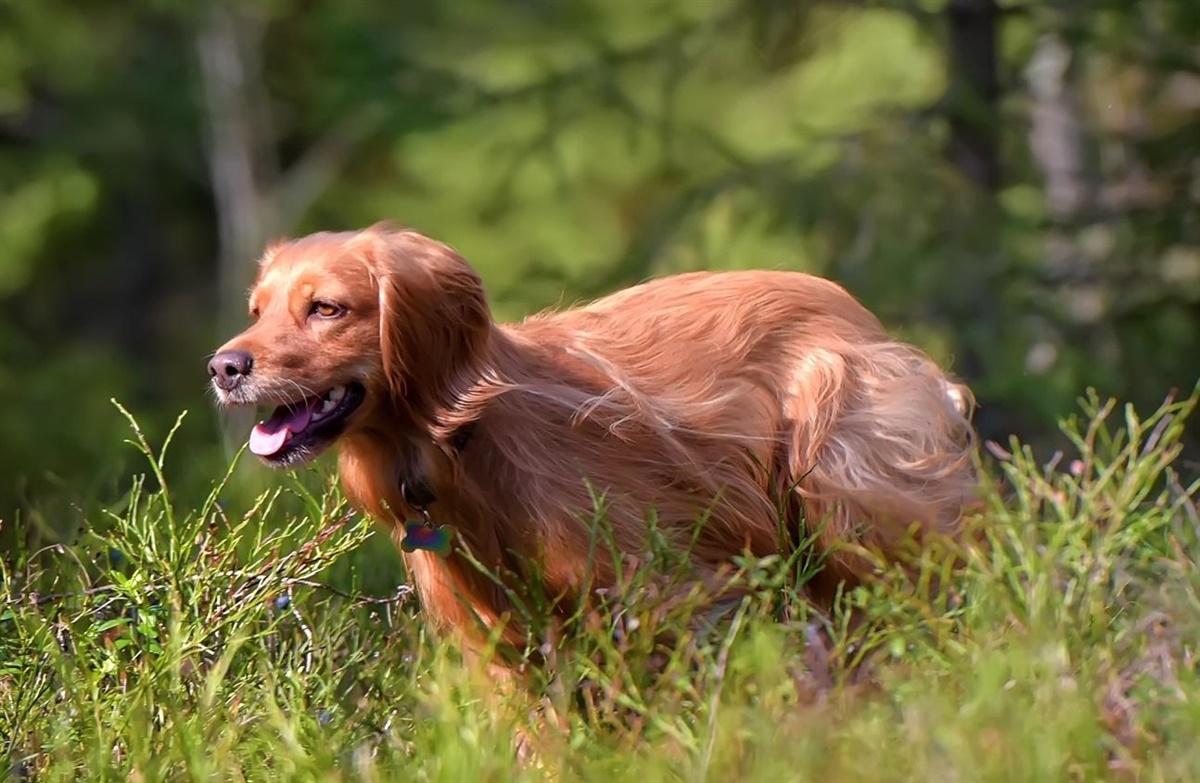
(748, 400)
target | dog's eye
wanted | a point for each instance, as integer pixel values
(325, 309)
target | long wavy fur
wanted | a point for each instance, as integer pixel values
(698, 394)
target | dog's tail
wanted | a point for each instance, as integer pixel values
(882, 447)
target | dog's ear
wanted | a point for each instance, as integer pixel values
(434, 320)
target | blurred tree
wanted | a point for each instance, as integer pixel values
(1015, 185)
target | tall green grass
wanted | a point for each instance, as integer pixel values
(174, 643)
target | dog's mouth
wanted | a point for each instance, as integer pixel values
(302, 429)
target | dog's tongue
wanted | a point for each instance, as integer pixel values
(268, 436)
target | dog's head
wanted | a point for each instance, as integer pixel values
(351, 331)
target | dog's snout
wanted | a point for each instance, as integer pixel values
(228, 368)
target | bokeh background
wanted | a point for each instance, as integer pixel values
(1015, 186)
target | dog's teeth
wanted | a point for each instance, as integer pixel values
(328, 405)
(336, 393)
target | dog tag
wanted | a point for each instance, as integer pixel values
(419, 535)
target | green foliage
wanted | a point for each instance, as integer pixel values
(179, 642)
(571, 148)
(568, 149)
(63, 459)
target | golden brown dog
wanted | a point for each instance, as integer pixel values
(709, 395)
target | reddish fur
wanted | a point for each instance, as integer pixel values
(695, 392)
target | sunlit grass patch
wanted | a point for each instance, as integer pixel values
(178, 643)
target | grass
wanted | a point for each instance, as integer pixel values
(176, 643)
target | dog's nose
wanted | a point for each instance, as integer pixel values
(228, 368)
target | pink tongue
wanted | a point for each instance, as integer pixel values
(268, 437)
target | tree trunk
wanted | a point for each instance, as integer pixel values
(975, 91)
(240, 148)
(1057, 142)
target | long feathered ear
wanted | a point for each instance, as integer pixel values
(434, 319)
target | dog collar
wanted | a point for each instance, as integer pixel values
(423, 534)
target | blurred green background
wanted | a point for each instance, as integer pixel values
(1014, 186)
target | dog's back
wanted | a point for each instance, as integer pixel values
(739, 396)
